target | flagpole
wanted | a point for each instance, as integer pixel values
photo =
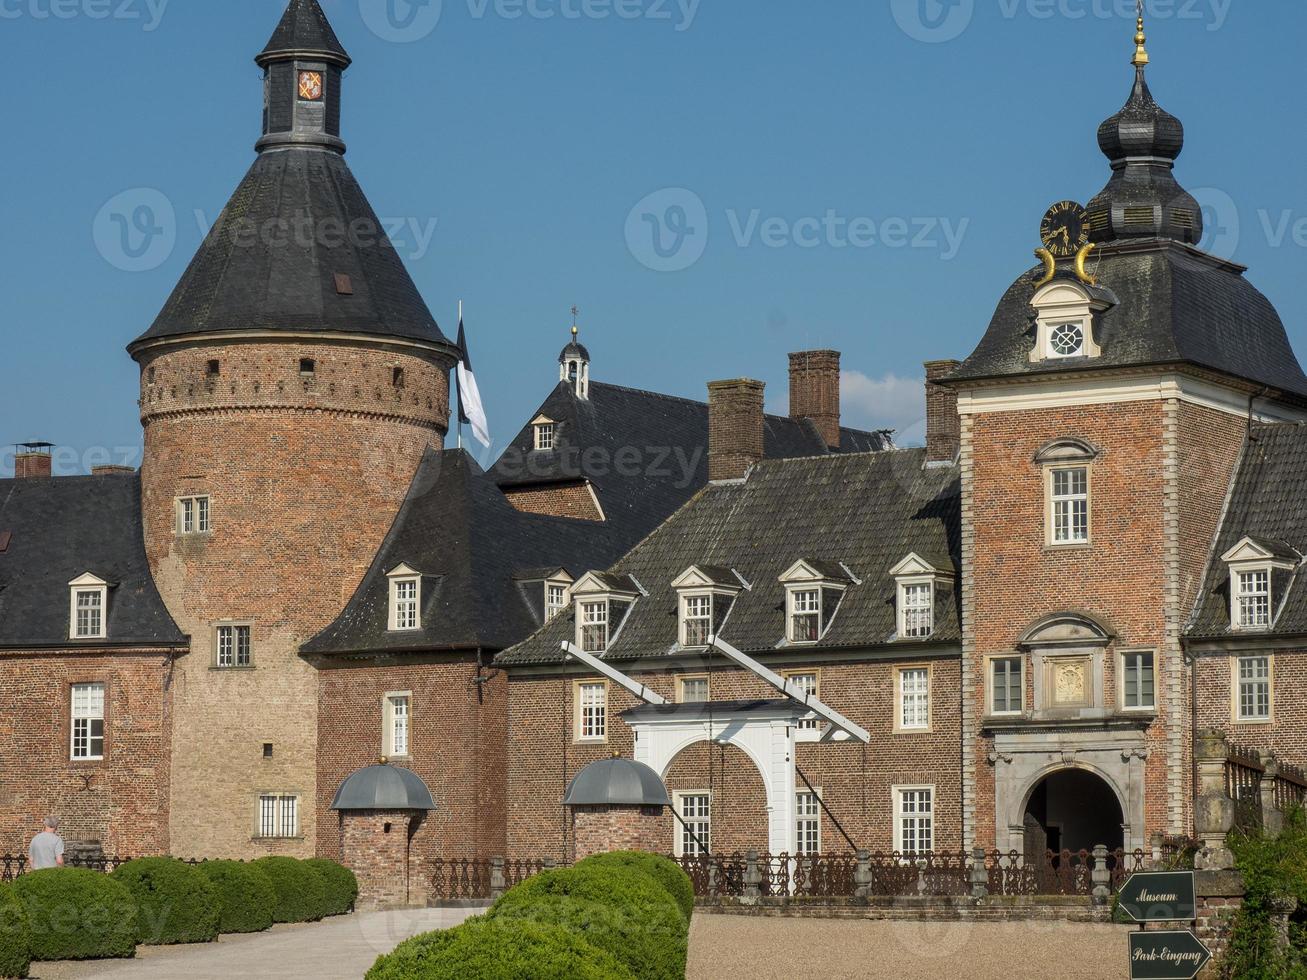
(460, 385)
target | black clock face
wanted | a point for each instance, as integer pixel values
(1065, 230)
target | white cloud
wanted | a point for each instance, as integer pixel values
(887, 402)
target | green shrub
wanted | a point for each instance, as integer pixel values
(174, 902)
(245, 895)
(621, 910)
(15, 935)
(663, 870)
(1273, 869)
(77, 914)
(341, 886)
(301, 896)
(502, 950)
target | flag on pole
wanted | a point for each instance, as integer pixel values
(470, 410)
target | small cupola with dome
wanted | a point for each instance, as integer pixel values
(574, 363)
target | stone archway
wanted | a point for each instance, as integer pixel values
(740, 814)
(1072, 809)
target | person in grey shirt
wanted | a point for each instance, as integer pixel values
(47, 847)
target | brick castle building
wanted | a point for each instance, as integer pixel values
(1009, 638)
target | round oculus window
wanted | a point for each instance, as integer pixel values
(1067, 340)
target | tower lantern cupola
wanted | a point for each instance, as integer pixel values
(303, 66)
(574, 365)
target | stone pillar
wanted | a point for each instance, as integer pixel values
(1101, 876)
(1272, 818)
(616, 827)
(374, 845)
(1213, 810)
(862, 875)
(752, 876)
(979, 876)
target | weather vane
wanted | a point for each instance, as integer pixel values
(576, 311)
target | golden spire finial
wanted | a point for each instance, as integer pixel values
(1141, 40)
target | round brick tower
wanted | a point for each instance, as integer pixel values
(288, 391)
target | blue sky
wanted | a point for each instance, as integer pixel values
(863, 175)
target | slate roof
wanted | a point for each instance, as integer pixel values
(1177, 305)
(472, 549)
(245, 279)
(1266, 503)
(304, 29)
(865, 510)
(59, 529)
(667, 439)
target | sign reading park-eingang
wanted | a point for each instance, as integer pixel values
(1166, 956)
(1159, 896)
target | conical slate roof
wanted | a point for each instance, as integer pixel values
(304, 29)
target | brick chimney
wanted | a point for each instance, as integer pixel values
(815, 391)
(33, 461)
(735, 423)
(112, 470)
(943, 425)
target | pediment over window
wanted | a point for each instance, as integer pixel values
(402, 570)
(606, 583)
(1262, 552)
(917, 565)
(1068, 450)
(88, 580)
(816, 570)
(1066, 629)
(711, 577)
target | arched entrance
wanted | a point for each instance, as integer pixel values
(1073, 810)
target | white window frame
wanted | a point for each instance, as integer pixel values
(405, 610)
(397, 716)
(1238, 682)
(594, 613)
(992, 686)
(910, 626)
(1242, 597)
(686, 679)
(807, 822)
(902, 815)
(546, 436)
(1125, 656)
(901, 694)
(87, 710)
(277, 816)
(556, 600)
(235, 630)
(194, 515)
(1051, 353)
(688, 603)
(96, 592)
(590, 728)
(800, 594)
(809, 729)
(1056, 501)
(701, 822)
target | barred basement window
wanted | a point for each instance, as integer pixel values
(914, 819)
(233, 647)
(87, 721)
(808, 823)
(1069, 505)
(1253, 599)
(278, 815)
(695, 825)
(1254, 689)
(696, 620)
(591, 711)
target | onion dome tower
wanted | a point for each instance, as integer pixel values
(1142, 142)
(289, 390)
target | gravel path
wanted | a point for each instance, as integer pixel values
(337, 949)
(773, 948)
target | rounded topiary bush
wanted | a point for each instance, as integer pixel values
(665, 871)
(342, 888)
(246, 897)
(15, 935)
(301, 896)
(617, 909)
(77, 914)
(499, 950)
(175, 903)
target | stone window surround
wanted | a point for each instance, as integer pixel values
(88, 583)
(216, 643)
(1061, 455)
(1120, 680)
(280, 796)
(200, 527)
(681, 682)
(1236, 716)
(1056, 639)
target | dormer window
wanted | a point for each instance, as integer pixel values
(555, 599)
(88, 608)
(545, 434)
(1257, 567)
(1066, 313)
(705, 594)
(602, 602)
(917, 580)
(813, 592)
(405, 599)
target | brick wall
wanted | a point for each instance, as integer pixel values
(305, 477)
(457, 737)
(815, 391)
(856, 782)
(1286, 735)
(572, 500)
(376, 849)
(121, 801)
(735, 427)
(602, 829)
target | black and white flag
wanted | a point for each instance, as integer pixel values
(470, 410)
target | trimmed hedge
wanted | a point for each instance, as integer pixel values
(342, 888)
(77, 914)
(621, 910)
(670, 875)
(301, 896)
(15, 935)
(175, 903)
(245, 895)
(481, 949)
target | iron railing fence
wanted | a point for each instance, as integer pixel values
(1290, 787)
(13, 865)
(1244, 771)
